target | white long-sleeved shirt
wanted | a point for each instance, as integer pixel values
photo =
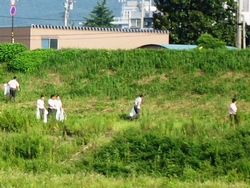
(232, 108)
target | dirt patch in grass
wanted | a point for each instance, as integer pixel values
(55, 78)
(199, 72)
(162, 78)
(231, 74)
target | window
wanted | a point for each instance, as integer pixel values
(48, 43)
(135, 23)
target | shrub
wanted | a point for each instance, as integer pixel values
(139, 153)
(208, 41)
(136, 152)
(9, 50)
(29, 61)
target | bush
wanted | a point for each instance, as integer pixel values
(135, 152)
(9, 50)
(140, 153)
(29, 61)
(207, 41)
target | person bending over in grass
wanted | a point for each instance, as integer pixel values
(233, 112)
(137, 107)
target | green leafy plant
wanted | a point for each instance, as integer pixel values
(9, 50)
(207, 41)
(29, 61)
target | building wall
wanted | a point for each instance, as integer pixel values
(245, 6)
(69, 37)
(131, 14)
(21, 35)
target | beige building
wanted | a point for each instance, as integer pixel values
(58, 37)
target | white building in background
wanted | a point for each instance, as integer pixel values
(136, 14)
(245, 10)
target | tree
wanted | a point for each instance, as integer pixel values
(100, 16)
(207, 41)
(186, 20)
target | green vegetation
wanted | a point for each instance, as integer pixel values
(209, 42)
(9, 50)
(183, 138)
(101, 16)
(187, 20)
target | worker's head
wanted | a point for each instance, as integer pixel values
(234, 100)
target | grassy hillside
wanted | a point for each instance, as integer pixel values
(182, 139)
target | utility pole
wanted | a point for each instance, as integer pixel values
(66, 15)
(244, 32)
(68, 5)
(239, 26)
(142, 14)
(12, 13)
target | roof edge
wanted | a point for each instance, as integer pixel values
(99, 29)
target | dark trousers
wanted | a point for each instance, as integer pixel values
(41, 111)
(235, 118)
(51, 112)
(12, 93)
(137, 111)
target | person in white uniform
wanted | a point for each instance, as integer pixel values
(52, 106)
(40, 107)
(59, 109)
(233, 112)
(13, 84)
(137, 107)
(41, 111)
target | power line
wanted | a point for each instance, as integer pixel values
(23, 18)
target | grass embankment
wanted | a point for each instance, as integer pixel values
(183, 138)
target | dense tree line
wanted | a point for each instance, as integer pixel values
(186, 20)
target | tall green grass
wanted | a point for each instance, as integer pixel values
(182, 139)
(119, 73)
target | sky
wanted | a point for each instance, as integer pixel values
(49, 12)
